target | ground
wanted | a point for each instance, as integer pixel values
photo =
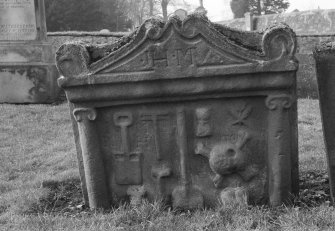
(40, 189)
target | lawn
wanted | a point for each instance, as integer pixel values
(40, 190)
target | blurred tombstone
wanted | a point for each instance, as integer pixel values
(185, 112)
(181, 13)
(27, 69)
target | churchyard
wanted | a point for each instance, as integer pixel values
(40, 186)
(183, 124)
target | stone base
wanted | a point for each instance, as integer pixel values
(27, 73)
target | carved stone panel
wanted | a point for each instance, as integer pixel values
(28, 73)
(155, 147)
(17, 20)
(191, 112)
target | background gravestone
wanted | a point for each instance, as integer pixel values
(27, 70)
(324, 55)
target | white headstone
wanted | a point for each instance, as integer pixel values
(17, 20)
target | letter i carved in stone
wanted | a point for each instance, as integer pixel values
(92, 158)
(279, 148)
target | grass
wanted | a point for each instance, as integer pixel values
(40, 190)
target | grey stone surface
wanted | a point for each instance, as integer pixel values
(27, 69)
(185, 111)
(324, 55)
(17, 20)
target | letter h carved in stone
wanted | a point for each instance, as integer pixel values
(92, 157)
(279, 149)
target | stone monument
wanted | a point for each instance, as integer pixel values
(201, 9)
(185, 111)
(27, 69)
(324, 55)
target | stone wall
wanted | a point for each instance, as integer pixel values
(311, 27)
(58, 38)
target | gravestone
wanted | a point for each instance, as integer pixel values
(27, 69)
(324, 55)
(185, 111)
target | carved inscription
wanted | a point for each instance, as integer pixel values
(128, 170)
(17, 20)
(157, 57)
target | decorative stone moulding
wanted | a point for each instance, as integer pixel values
(190, 112)
(324, 55)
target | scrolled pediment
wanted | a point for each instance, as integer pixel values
(193, 47)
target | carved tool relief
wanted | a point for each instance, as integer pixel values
(185, 196)
(161, 169)
(128, 168)
(202, 149)
(229, 155)
(203, 128)
(154, 119)
(240, 113)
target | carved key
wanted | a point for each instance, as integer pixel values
(128, 164)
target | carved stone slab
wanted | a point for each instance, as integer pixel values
(27, 70)
(324, 55)
(17, 20)
(188, 111)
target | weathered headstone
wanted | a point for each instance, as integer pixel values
(189, 112)
(27, 69)
(324, 55)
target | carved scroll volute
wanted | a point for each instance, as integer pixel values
(72, 60)
(279, 148)
(279, 41)
(92, 158)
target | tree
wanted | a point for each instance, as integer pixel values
(239, 7)
(114, 16)
(84, 15)
(139, 10)
(258, 7)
